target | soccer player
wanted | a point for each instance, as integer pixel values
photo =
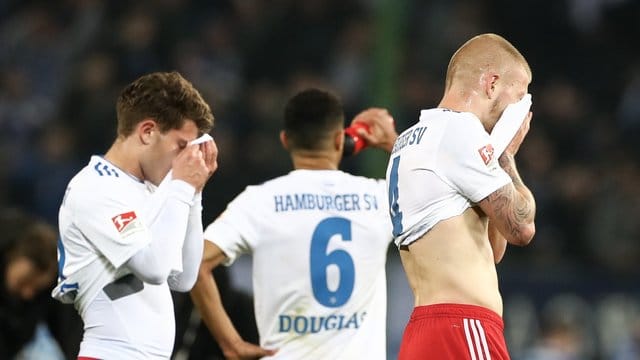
(318, 237)
(455, 204)
(127, 236)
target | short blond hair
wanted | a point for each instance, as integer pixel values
(481, 53)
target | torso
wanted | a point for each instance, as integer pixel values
(437, 172)
(453, 263)
(93, 247)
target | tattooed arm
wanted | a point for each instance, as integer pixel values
(511, 209)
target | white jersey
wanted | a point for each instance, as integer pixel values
(319, 240)
(438, 168)
(103, 222)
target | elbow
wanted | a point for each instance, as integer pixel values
(204, 271)
(525, 235)
(154, 278)
(186, 280)
(188, 284)
(184, 285)
(203, 274)
(150, 274)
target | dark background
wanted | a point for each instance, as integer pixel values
(574, 290)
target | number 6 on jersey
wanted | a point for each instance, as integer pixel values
(319, 261)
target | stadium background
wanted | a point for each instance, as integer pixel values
(575, 287)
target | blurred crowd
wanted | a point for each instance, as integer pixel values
(62, 64)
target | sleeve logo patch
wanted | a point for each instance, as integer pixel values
(121, 221)
(486, 153)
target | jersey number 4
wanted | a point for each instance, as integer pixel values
(394, 208)
(320, 262)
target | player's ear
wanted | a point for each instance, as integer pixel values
(146, 129)
(283, 140)
(490, 82)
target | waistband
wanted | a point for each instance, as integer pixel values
(461, 311)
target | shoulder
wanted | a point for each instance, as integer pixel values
(267, 187)
(277, 185)
(463, 131)
(254, 195)
(463, 124)
(99, 181)
(363, 181)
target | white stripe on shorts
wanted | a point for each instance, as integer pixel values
(476, 340)
(483, 339)
(469, 343)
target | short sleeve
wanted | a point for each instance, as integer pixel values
(234, 230)
(467, 160)
(111, 225)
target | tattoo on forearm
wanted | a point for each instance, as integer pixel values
(516, 210)
(509, 166)
(514, 203)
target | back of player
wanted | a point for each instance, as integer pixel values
(319, 240)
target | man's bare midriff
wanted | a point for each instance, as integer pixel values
(453, 263)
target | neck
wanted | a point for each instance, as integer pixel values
(123, 155)
(465, 102)
(314, 161)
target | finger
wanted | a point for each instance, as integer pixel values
(212, 152)
(212, 163)
(214, 149)
(192, 149)
(204, 147)
(366, 135)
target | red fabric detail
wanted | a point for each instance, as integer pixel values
(438, 332)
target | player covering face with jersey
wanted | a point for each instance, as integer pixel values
(455, 204)
(130, 222)
(318, 238)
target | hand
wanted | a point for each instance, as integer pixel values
(382, 132)
(190, 166)
(243, 350)
(209, 151)
(515, 143)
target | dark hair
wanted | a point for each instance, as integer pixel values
(168, 98)
(310, 117)
(26, 236)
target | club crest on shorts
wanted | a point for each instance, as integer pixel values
(486, 153)
(122, 220)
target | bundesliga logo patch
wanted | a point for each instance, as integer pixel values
(486, 153)
(122, 220)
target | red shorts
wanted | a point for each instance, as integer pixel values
(453, 331)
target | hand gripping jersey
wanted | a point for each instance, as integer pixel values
(319, 240)
(438, 168)
(104, 219)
